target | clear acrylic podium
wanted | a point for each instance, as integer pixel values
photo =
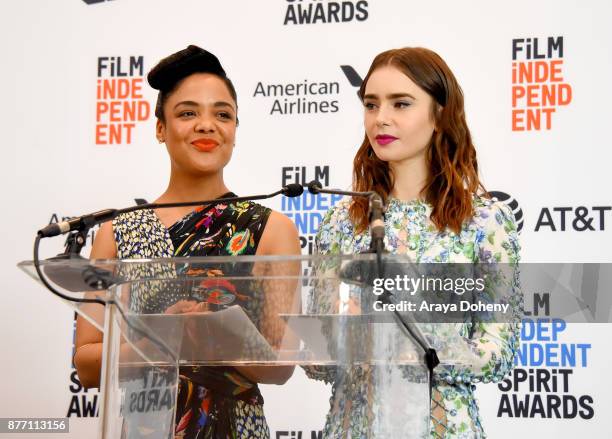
(255, 311)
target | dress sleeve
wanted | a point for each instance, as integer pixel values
(492, 346)
(320, 299)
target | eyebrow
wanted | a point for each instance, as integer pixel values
(195, 104)
(391, 96)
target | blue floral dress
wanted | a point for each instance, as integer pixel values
(490, 237)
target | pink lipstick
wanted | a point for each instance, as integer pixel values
(385, 139)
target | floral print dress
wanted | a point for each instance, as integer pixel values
(489, 237)
(212, 402)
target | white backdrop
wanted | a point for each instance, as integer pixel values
(53, 166)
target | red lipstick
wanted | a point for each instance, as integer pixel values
(205, 145)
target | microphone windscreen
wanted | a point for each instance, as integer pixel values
(293, 190)
(314, 187)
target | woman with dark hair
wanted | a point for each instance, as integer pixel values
(197, 119)
(418, 155)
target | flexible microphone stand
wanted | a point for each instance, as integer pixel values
(78, 228)
(377, 247)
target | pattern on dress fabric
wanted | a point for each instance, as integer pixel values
(213, 402)
(488, 237)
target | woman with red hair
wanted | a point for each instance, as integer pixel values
(418, 155)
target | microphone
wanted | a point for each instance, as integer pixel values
(377, 222)
(375, 212)
(85, 222)
(314, 187)
(293, 190)
(78, 223)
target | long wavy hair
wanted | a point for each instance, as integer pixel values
(453, 170)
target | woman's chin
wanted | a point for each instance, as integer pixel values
(398, 156)
(206, 164)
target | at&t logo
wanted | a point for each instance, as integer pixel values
(579, 219)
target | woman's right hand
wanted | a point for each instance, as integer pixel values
(187, 306)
